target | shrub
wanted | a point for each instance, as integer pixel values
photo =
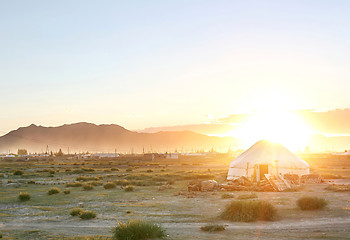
(18, 172)
(121, 182)
(77, 171)
(75, 184)
(86, 178)
(87, 187)
(66, 191)
(86, 215)
(129, 188)
(213, 228)
(247, 196)
(31, 182)
(52, 172)
(149, 170)
(88, 169)
(311, 203)
(96, 183)
(24, 196)
(227, 195)
(114, 169)
(76, 212)
(54, 190)
(249, 211)
(109, 185)
(129, 170)
(138, 230)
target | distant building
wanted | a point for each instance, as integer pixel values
(172, 156)
(105, 155)
(153, 156)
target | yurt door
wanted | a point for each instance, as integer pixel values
(263, 169)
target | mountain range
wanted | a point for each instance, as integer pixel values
(82, 137)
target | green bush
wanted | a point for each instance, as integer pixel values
(76, 212)
(213, 228)
(129, 188)
(86, 215)
(311, 203)
(87, 187)
(227, 195)
(54, 190)
(75, 184)
(24, 196)
(138, 230)
(66, 191)
(31, 182)
(109, 185)
(18, 172)
(247, 196)
(249, 211)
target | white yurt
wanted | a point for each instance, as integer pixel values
(266, 157)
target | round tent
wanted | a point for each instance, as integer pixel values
(265, 157)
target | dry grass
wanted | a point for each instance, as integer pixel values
(138, 230)
(213, 228)
(311, 203)
(249, 211)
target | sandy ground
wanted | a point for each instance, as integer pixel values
(47, 217)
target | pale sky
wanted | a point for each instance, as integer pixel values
(160, 63)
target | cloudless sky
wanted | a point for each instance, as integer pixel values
(155, 63)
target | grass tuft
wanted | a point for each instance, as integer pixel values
(247, 196)
(249, 211)
(138, 230)
(67, 191)
(109, 185)
(86, 215)
(54, 190)
(18, 172)
(76, 212)
(311, 203)
(87, 187)
(75, 184)
(129, 188)
(24, 196)
(227, 195)
(213, 228)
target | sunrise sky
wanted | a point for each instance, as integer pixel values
(145, 64)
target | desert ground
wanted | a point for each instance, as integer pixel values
(160, 195)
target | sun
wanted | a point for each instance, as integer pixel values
(284, 127)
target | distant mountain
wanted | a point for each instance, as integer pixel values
(210, 129)
(80, 137)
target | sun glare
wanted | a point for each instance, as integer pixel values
(286, 128)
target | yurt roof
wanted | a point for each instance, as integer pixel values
(266, 152)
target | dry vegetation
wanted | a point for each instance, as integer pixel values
(156, 191)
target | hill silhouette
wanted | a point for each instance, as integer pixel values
(82, 137)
